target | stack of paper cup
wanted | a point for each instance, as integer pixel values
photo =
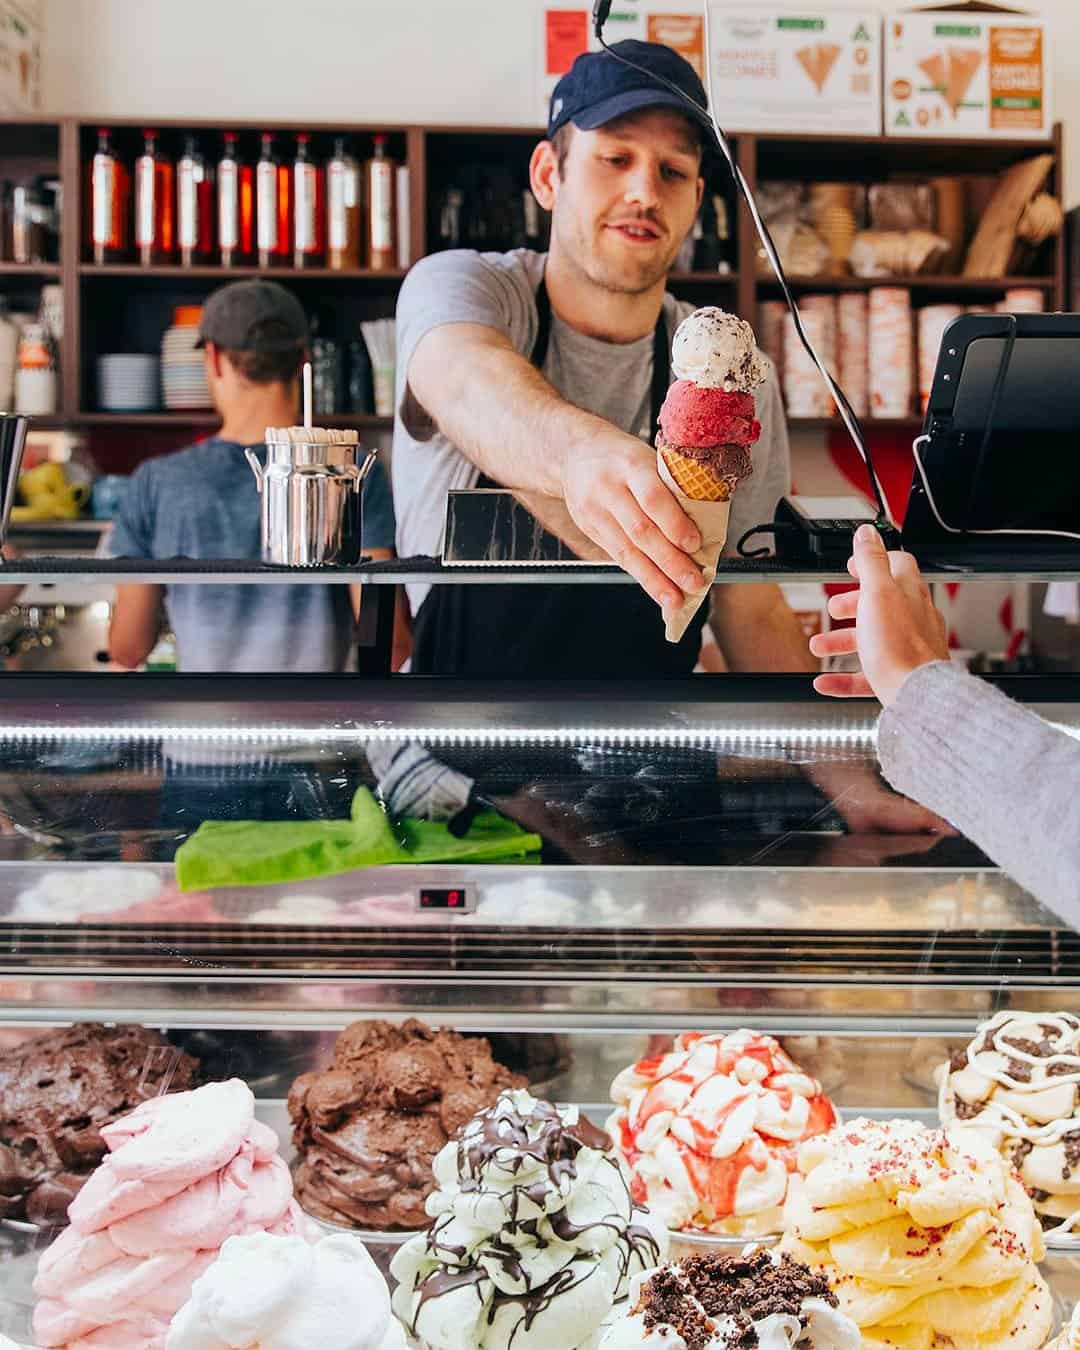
(891, 352)
(853, 349)
(829, 350)
(770, 330)
(805, 392)
(1023, 300)
(933, 320)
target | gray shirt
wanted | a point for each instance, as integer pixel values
(613, 380)
(1005, 778)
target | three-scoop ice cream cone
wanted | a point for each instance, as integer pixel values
(707, 428)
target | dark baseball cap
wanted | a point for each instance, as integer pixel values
(256, 315)
(599, 88)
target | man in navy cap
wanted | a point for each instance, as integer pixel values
(544, 373)
(203, 503)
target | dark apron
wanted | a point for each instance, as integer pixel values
(551, 630)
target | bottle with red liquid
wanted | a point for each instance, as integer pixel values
(236, 206)
(309, 206)
(155, 197)
(194, 206)
(110, 202)
(273, 208)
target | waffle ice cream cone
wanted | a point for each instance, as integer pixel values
(696, 480)
(707, 426)
(710, 513)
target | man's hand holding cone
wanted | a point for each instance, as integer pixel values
(707, 427)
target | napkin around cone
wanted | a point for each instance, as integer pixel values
(711, 518)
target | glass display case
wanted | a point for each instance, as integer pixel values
(698, 856)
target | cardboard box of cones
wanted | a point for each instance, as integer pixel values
(802, 70)
(980, 71)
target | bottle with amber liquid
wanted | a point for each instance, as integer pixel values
(380, 175)
(155, 204)
(343, 213)
(309, 207)
(236, 206)
(194, 206)
(273, 208)
(110, 203)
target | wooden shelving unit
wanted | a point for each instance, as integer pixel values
(199, 419)
(46, 271)
(106, 307)
(972, 286)
(220, 275)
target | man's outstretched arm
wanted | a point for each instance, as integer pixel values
(503, 414)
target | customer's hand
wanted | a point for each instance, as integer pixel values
(897, 629)
(615, 496)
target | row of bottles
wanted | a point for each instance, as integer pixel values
(273, 213)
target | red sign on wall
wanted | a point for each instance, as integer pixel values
(567, 38)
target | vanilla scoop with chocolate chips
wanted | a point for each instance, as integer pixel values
(1018, 1082)
(758, 1299)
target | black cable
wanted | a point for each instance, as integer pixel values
(774, 528)
(601, 9)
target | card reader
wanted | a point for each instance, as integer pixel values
(819, 531)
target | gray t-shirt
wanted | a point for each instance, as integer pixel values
(203, 503)
(610, 379)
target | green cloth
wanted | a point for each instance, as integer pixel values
(268, 852)
(491, 838)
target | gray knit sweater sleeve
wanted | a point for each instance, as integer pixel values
(1001, 775)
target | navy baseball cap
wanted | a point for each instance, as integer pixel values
(599, 88)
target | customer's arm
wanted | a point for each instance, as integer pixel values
(1006, 779)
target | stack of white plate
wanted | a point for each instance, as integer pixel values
(127, 383)
(183, 377)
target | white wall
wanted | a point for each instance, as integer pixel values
(349, 60)
(317, 60)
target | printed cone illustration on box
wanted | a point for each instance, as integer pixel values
(708, 425)
(952, 74)
(818, 62)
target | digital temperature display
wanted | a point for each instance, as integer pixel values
(450, 899)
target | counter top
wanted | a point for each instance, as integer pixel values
(181, 571)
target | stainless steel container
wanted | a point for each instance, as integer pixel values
(311, 495)
(12, 442)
